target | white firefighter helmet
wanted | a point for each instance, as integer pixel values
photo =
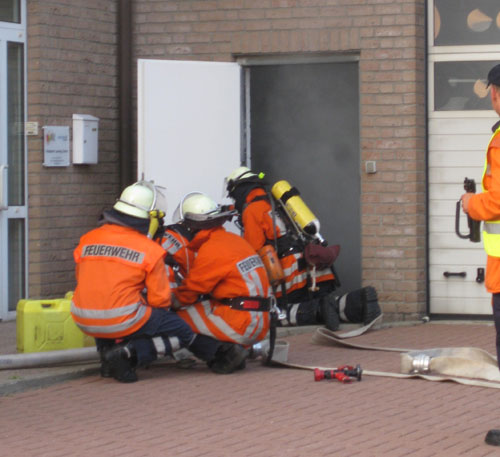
(240, 174)
(140, 198)
(199, 211)
(196, 206)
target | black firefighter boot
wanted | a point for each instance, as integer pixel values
(105, 369)
(229, 358)
(103, 348)
(121, 362)
(371, 308)
(329, 311)
(221, 357)
(359, 306)
(493, 437)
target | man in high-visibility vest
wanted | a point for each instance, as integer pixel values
(123, 297)
(485, 206)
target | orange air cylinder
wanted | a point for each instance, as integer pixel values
(272, 264)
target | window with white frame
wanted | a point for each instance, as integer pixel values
(464, 43)
(10, 11)
(466, 22)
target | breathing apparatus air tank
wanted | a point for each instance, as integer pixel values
(272, 264)
(296, 209)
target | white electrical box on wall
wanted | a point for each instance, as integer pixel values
(85, 136)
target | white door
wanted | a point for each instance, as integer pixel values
(189, 116)
(463, 47)
(13, 212)
(457, 143)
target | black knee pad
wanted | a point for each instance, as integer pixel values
(304, 313)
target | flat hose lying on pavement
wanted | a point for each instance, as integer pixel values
(48, 358)
(468, 366)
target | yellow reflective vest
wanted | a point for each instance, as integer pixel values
(491, 229)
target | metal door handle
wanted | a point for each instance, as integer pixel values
(447, 274)
(3, 204)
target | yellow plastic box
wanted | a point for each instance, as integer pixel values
(47, 325)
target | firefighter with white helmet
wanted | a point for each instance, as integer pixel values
(123, 292)
(226, 293)
(307, 295)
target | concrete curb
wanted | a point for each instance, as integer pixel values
(39, 382)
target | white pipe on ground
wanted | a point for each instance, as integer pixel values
(43, 359)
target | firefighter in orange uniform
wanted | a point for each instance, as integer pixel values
(485, 206)
(226, 294)
(309, 294)
(122, 290)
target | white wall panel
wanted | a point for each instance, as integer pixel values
(454, 175)
(458, 141)
(449, 240)
(457, 257)
(467, 125)
(445, 305)
(189, 125)
(455, 158)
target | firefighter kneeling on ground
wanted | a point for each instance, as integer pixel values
(307, 296)
(226, 293)
(122, 297)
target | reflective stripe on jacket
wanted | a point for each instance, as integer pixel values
(225, 266)
(176, 246)
(491, 228)
(114, 265)
(296, 275)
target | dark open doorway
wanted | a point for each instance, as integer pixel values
(304, 127)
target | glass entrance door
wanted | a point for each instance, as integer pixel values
(13, 212)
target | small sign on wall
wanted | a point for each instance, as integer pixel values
(55, 146)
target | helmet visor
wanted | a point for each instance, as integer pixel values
(160, 199)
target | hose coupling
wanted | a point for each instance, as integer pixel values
(421, 363)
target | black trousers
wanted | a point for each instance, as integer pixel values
(496, 318)
(163, 323)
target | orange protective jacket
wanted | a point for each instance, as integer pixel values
(225, 266)
(257, 221)
(114, 265)
(176, 246)
(485, 206)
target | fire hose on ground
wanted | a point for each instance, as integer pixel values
(468, 366)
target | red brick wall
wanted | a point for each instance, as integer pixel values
(72, 68)
(388, 36)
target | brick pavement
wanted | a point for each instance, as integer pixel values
(21, 379)
(264, 411)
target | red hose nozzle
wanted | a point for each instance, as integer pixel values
(344, 373)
